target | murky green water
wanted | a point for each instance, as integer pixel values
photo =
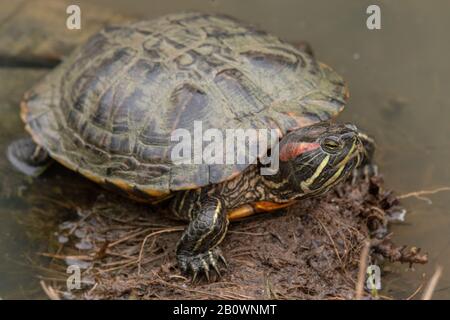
(399, 78)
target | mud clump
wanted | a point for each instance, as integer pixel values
(309, 251)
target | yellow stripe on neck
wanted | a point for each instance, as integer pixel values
(305, 184)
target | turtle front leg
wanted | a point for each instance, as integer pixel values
(27, 157)
(367, 168)
(197, 250)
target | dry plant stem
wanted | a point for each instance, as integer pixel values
(362, 270)
(63, 257)
(431, 286)
(332, 242)
(220, 296)
(416, 291)
(130, 236)
(49, 291)
(151, 235)
(420, 194)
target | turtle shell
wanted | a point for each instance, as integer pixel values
(109, 109)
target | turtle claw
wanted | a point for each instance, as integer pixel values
(202, 263)
(224, 261)
(207, 275)
(213, 263)
(216, 269)
(194, 277)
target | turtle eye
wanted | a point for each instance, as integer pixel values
(331, 144)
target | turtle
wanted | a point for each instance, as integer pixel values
(109, 110)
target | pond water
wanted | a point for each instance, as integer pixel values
(398, 76)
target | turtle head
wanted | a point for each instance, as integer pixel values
(317, 157)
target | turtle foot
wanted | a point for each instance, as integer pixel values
(27, 157)
(204, 263)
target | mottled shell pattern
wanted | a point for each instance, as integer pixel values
(109, 109)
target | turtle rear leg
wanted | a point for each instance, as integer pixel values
(27, 157)
(198, 251)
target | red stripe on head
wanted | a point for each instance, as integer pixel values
(294, 149)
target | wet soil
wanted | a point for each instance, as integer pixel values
(310, 251)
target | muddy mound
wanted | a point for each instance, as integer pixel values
(310, 251)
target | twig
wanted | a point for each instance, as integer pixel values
(332, 243)
(415, 292)
(63, 257)
(428, 293)
(129, 236)
(92, 289)
(119, 263)
(49, 291)
(362, 270)
(151, 235)
(212, 294)
(125, 264)
(249, 233)
(419, 194)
